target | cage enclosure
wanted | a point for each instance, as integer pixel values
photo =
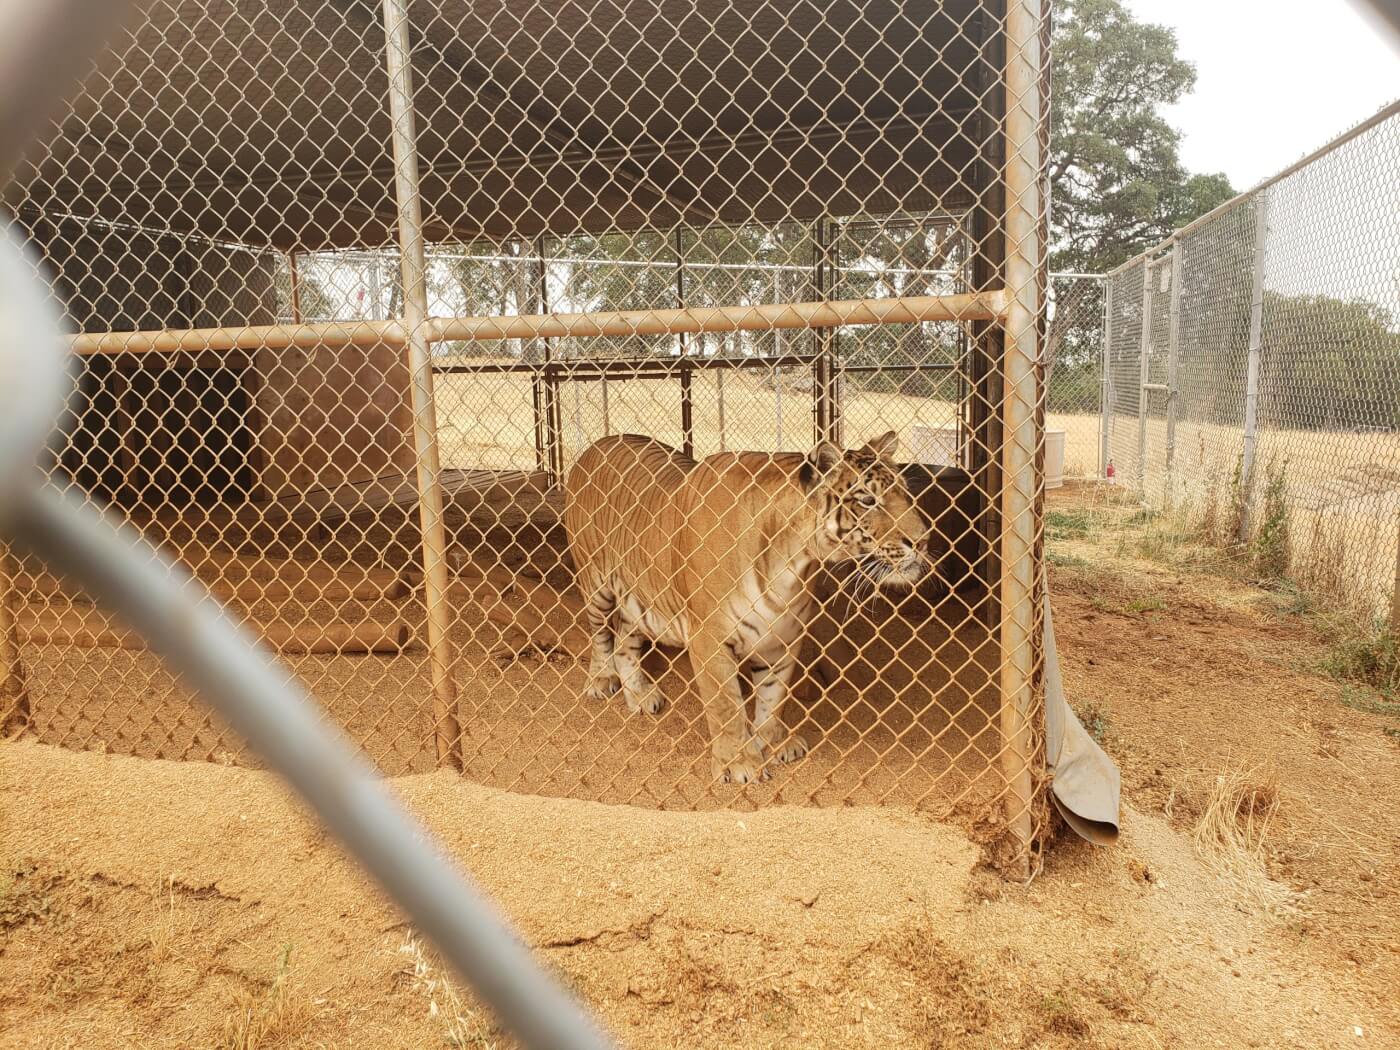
(355, 284)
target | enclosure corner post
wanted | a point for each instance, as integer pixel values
(425, 442)
(1173, 360)
(1021, 437)
(1251, 383)
(1106, 378)
(14, 689)
(1144, 374)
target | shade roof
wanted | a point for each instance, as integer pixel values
(267, 124)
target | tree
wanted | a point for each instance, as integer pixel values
(1117, 185)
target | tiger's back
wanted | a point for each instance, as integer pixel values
(622, 519)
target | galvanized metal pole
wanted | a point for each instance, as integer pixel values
(1144, 362)
(1395, 594)
(1021, 432)
(1173, 356)
(413, 265)
(294, 273)
(1106, 379)
(1251, 383)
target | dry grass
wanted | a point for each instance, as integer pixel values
(1341, 500)
(1232, 837)
(487, 421)
(462, 1025)
(273, 1019)
(162, 932)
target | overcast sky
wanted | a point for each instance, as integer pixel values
(1274, 80)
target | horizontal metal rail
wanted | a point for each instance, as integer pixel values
(765, 317)
(588, 370)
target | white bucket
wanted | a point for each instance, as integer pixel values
(934, 446)
(1054, 458)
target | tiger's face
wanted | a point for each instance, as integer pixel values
(865, 512)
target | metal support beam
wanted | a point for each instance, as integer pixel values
(1173, 356)
(294, 272)
(1144, 370)
(1106, 380)
(687, 394)
(1020, 527)
(413, 265)
(1251, 383)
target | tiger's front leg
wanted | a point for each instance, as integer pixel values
(771, 683)
(640, 692)
(735, 755)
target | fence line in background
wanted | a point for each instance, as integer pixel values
(1281, 431)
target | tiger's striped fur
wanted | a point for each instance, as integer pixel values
(716, 557)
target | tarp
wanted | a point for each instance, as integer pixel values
(1085, 783)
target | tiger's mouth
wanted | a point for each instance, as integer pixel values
(899, 572)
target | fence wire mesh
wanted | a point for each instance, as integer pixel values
(1278, 427)
(363, 285)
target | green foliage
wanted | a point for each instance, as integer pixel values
(1272, 551)
(1067, 524)
(1115, 174)
(1096, 721)
(1368, 654)
(1326, 360)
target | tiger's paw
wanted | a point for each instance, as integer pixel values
(649, 700)
(743, 769)
(601, 686)
(793, 748)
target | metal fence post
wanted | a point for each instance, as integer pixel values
(1173, 351)
(1251, 386)
(1395, 594)
(1106, 378)
(1021, 436)
(1144, 365)
(425, 438)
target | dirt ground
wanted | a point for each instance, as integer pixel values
(158, 903)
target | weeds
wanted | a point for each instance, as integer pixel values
(1272, 552)
(274, 1020)
(1096, 721)
(462, 1026)
(1367, 702)
(1067, 524)
(1368, 654)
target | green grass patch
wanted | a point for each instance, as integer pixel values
(1365, 654)
(1364, 700)
(1067, 524)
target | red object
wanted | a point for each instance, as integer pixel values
(1108, 471)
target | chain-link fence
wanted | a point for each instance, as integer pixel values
(1254, 378)
(361, 286)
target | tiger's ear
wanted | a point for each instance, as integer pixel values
(818, 463)
(882, 447)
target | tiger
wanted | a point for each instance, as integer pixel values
(717, 557)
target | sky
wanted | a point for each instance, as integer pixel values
(1275, 79)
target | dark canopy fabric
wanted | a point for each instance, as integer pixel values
(268, 124)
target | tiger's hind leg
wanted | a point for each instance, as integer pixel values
(640, 692)
(770, 692)
(603, 679)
